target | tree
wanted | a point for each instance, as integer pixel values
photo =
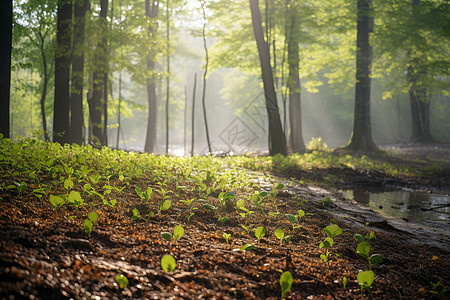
(151, 11)
(76, 98)
(61, 121)
(277, 139)
(361, 139)
(6, 20)
(205, 73)
(168, 75)
(295, 116)
(100, 69)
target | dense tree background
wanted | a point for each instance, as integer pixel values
(114, 57)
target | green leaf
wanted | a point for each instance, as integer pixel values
(136, 214)
(56, 201)
(248, 247)
(327, 243)
(279, 186)
(332, 230)
(93, 216)
(86, 187)
(178, 232)
(263, 194)
(224, 220)
(365, 278)
(121, 280)
(291, 218)
(279, 233)
(168, 263)
(21, 187)
(359, 237)
(166, 235)
(301, 213)
(286, 281)
(260, 232)
(166, 205)
(363, 249)
(323, 257)
(376, 258)
(68, 184)
(75, 198)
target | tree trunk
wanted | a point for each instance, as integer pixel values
(44, 88)
(295, 113)
(168, 76)
(204, 78)
(361, 139)
(193, 115)
(151, 11)
(61, 121)
(420, 105)
(76, 97)
(95, 102)
(277, 139)
(6, 20)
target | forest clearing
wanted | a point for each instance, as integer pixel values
(82, 223)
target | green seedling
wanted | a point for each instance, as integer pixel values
(344, 282)
(144, 195)
(225, 198)
(279, 233)
(248, 247)
(165, 206)
(247, 229)
(187, 202)
(21, 187)
(111, 203)
(366, 238)
(168, 263)
(166, 235)
(57, 201)
(332, 231)
(189, 217)
(89, 222)
(87, 188)
(260, 232)
(224, 220)
(74, 199)
(121, 280)
(327, 201)
(438, 290)
(274, 214)
(136, 214)
(68, 184)
(365, 279)
(294, 218)
(276, 189)
(286, 281)
(226, 236)
(178, 232)
(258, 197)
(363, 249)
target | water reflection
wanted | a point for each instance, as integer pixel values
(420, 206)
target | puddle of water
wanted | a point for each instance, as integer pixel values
(418, 206)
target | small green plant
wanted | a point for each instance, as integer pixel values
(165, 206)
(438, 290)
(286, 281)
(344, 282)
(226, 236)
(317, 143)
(56, 201)
(224, 220)
(279, 233)
(248, 247)
(365, 280)
(326, 202)
(121, 280)
(332, 231)
(258, 197)
(89, 222)
(225, 198)
(144, 195)
(260, 232)
(168, 263)
(294, 218)
(74, 199)
(363, 250)
(178, 232)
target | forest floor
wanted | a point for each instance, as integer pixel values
(45, 254)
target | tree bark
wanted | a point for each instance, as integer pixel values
(361, 139)
(6, 20)
(151, 11)
(277, 139)
(168, 76)
(61, 121)
(95, 101)
(76, 97)
(295, 112)
(193, 115)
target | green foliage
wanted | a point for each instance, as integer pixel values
(56, 201)
(226, 198)
(279, 233)
(89, 222)
(332, 231)
(144, 195)
(365, 279)
(168, 263)
(260, 232)
(317, 143)
(248, 247)
(178, 232)
(122, 280)
(286, 281)
(226, 236)
(74, 199)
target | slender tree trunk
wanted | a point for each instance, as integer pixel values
(95, 102)
(76, 97)
(6, 20)
(151, 11)
(118, 111)
(204, 78)
(61, 121)
(295, 113)
(420, 105)
(277, 139)
(185, 118)
(361, 139)
(168, 77)
(193, 116)
(44, 87)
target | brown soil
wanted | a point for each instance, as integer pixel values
(46, 255)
